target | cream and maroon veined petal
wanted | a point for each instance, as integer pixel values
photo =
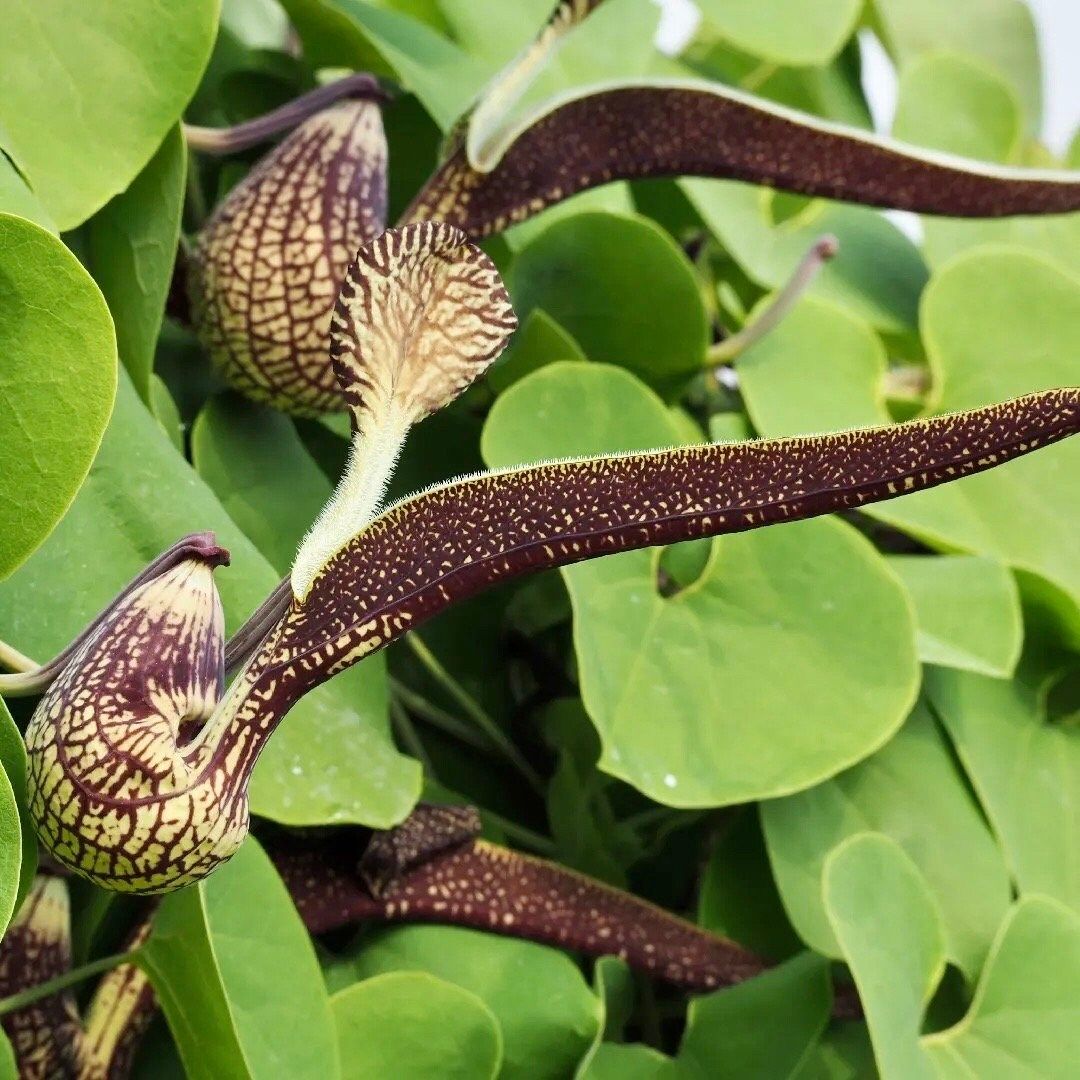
(421, 314)
(117, 781)
(455, 540)
(267, 267)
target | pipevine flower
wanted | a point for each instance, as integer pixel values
(140, 757)
(268, 265)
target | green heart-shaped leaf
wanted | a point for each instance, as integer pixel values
(692, 695)
(56, 384)
(88, 94)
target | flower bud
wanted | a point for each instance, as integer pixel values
(267, 267)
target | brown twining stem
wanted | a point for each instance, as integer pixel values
(232, 140)
(823, 250)
(35, 679)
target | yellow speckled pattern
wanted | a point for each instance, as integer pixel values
(457, 539)
(421, 314)
(123, 787)
(267, 267)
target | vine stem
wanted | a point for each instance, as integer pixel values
(61, 982)
(13, 660)
(474, 711)
(824, 249)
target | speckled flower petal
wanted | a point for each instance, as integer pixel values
(451, 542)
(421, 313)
(695, 128)
(488, 887)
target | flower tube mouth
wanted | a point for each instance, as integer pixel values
(119, 785)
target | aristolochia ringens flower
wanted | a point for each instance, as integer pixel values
(140, 758)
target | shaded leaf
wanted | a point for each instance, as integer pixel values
(582, 270)
(967, 610)
(132, 243)
(1026, 772)
(547, 1014)
(785, 31)
(998, 33)
(911, 792)
(890, 931)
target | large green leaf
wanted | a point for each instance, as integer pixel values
(332, 760)
(725, 1031)
(88, 92)
(954, 104)
(57, 382)
(998, 323)
(132, 243)
(694, 695)
(411, 1026)
(998, 33)
(878, 277)
(622, 288)
(785, 31)
(1026, 772)
(236, 975)
(911, 792)
(13, 763)
(950, 103)
(547, 1013)
(1024, 1020)
(892, 938)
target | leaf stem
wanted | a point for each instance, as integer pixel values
(438, 718)
(407, 733)
(727, 350)
(474, 711)
(61, 982)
